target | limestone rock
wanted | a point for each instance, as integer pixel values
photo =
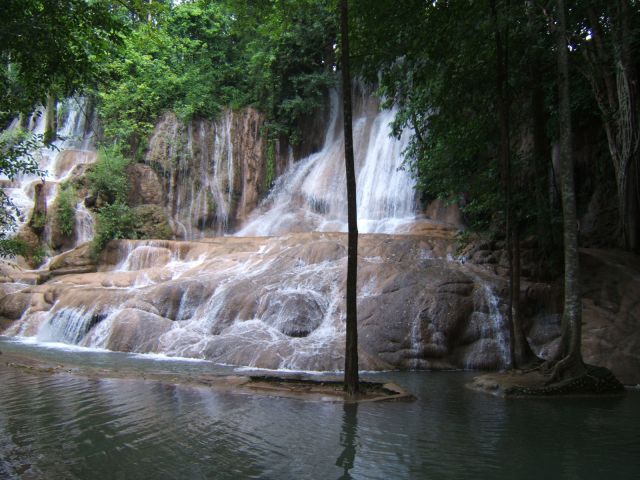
(135, 330)
(144, 185)
(78, 260)
(278, 302)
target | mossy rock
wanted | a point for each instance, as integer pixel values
(152, 222)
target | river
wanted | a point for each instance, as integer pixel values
(59, 426)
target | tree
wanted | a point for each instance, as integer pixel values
(351, 385)
(570, 364)
(521, 353)
(608, 35)
(51, 46)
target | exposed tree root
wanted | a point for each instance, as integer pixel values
(593, 381)
(567, 368)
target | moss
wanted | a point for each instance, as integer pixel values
(152, 222)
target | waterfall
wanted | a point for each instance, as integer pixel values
(68, 325)
(272, 295)
(74, 146)
(202, 179)
(311, 194)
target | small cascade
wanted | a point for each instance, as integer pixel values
(311, 195)
(85, 224)
(490, 326)
(68, 325)
(499, 328)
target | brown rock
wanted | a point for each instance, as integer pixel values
(78, 260)
(144, 185)
(153, 222)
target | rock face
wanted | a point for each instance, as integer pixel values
(145, 187)
(611, 312)
(212, 173)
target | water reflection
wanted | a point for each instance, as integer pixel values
(65, 426)
(348, 439)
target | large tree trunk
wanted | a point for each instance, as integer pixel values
(351, 349)
(614, 80)
(571, 363)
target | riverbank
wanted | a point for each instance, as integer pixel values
(289, 385)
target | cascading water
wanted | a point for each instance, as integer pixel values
(84, 224)
(311, 195)
(74, 146)
(200, 162)
(263, 301)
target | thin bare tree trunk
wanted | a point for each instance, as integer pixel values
(351, 349)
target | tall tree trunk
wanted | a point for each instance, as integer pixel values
(521, 354)
(502, 99)
(614, 80)
(571, 363)
(351, 349)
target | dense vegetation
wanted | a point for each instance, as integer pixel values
(141, 58)
(437, 61)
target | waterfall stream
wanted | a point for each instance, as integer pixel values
(311, 194)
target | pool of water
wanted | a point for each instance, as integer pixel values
(66, 427)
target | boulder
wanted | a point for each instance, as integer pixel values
(78, 260)
(134, 330)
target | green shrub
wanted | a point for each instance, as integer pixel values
(11, 247)
(115, 221)
(108, 176)
(66, 209)
(38, 255)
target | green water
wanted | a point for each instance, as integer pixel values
(67, 427)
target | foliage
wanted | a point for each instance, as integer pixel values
(181, 63)
(11, 247)
(108, 180)
(291, 59)
(65, 216)
(433, 69)
(115, 221)
(17, 153)
(51, 45)
(201, 56)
